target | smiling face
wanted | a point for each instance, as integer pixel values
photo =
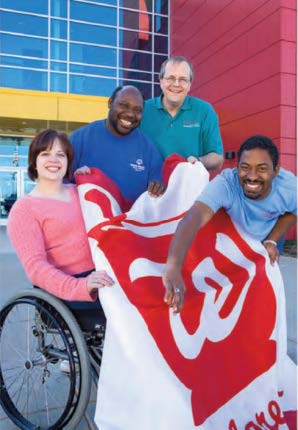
(175, 84)
(125, 111)
(51, 164)
(256, 173)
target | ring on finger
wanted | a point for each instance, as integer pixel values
(177, 290)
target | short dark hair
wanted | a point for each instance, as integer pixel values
(115, 92)
(120, 88)
(41, 142)
(176, 59)
(261, 142)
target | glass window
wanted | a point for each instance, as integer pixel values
(157, 91)
(93, 34)
(24, 62)
(8, 191)
(92, 70)
(7, 162)
(161, 44)
(92, 55)
(144, 87)
(25, 79)
(108, 2)
(103, 35)
(58, 82)
(137, 4)
(20, 45)
(58, 50)
(11, 142)
(58, 8)
(92, 86)
(23, 162)
(23, 150)
(135, 40)
(93, 13)
(7, 149)
(135, 60)
(36, 6)
(28, 184)
(158, 60)
(58, 66)
(26, 24)
(135, 75)
(161, 24)
(58, 29)
(135, 20)
(161, 6)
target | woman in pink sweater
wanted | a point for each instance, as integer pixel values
(46, 227)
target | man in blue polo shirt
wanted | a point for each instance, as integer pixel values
(178, 123)
(118, 148)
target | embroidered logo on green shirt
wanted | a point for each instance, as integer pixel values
(191, 124)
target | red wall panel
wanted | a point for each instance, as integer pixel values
(244, 56)
(240, 77)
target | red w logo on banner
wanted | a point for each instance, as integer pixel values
(221, 340)
(232, 332)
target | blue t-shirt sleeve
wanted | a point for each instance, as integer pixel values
(211, 138)
(290, 192)
(216, 194)
(75, 141)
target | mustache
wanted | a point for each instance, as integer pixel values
(249, 181)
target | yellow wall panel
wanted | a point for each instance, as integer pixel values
(83, 109)
(27, 104)
(51, 106)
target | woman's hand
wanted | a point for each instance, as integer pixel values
(84, 170)
(98, 279)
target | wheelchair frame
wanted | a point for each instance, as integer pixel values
(45, 332)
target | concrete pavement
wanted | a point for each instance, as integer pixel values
(13, 279)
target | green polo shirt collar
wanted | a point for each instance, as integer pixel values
(186, 104)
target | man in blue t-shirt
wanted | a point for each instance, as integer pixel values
(118, 148)
(258, 195)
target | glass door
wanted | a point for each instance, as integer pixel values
(9, 181)
(14, 183)
(26, 183)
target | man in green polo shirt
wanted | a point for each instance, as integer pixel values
(178, 123)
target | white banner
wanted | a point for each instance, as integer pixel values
(221, 364)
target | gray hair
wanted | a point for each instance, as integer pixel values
(176, 59)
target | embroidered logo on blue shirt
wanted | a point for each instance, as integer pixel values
(191, 124)
(270, 214)
(138, 165)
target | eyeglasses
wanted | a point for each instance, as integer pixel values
(181, 81)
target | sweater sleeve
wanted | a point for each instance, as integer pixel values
(26, 236)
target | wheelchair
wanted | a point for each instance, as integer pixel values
(37, 332)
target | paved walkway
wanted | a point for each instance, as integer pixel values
(13, 279)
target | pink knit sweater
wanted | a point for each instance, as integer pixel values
(49, 238)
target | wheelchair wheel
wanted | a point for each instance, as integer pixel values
(38, 332)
